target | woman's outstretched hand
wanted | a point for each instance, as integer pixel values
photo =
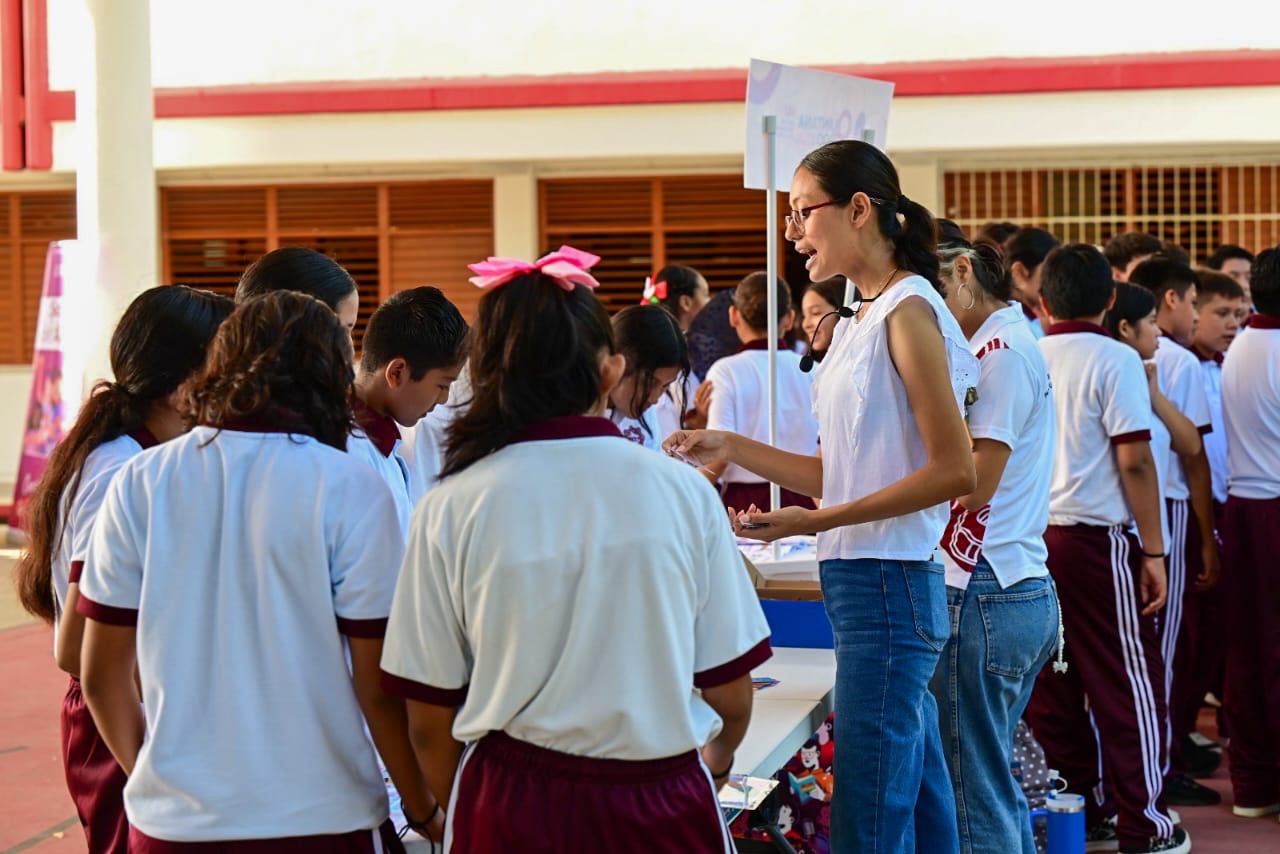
(699, 447)
(753, 524)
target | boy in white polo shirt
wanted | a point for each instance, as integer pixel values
(1104, 480)
(740, 394)
(229, 565)
(1251, 541)
(1188, 497)
(412, 351)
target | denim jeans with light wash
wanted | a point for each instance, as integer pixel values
(892, 790)
(1000, 638)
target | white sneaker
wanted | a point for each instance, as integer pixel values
(1174, 815)
(1256, 812)
(1179, 843)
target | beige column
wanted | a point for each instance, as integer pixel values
(921, 181)
(115, 172)
(515, 215)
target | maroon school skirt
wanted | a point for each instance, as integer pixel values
(94, 779)
(514, 796)
(355, 842)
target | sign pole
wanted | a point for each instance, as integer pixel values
(770, 129)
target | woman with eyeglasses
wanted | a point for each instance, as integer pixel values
(889, 398)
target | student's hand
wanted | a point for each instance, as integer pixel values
(700, 447)
(702, 398)
(787, 522)
(1153, 381)
(1154, 585)
(1208, 576)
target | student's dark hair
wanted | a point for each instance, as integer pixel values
(419, 325)
(1076, 282)
(1123, 248)
(1029, 247)
(651, 339)
(949, 232)
(848, 166)
(1264, 281)
(1133, 303)
(159, 341)
(1214, 283)
(1160, 273)
(535, 355)
(832, 290)
(751, 297)
(681, 281)
(282, 360)
(1227, 252)
(295, 268)
(1174, 253)
(995, 232)
(987, 263)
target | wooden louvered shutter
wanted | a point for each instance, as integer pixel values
(434, 231)
(210, 234)
(611, 217)
(29, 222)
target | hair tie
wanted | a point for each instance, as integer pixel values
(566, 266)
(654, 292)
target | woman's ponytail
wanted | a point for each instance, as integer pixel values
(915, 238)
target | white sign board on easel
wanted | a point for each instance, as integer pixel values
(812, 109)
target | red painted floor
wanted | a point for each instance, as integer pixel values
(36, 814)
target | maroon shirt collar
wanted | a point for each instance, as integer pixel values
(144, 437)
(270, 420)
(1064, 327)
(381, 429)
(569, 427)
(760, 344)
(1258, 320)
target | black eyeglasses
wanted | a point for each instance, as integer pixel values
(796, 219)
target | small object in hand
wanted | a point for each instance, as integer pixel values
(750, 525)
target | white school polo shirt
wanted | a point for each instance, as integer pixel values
(376, 441)
(100, 466)
(1165, 460)
(633, 429)
(1215, 441)
(1101, 400)
(740, 402)
(1178, 373)
(572, 590)
(1014, 407)
(423, 448)
(672, 406)
(242, 558)
(869, 435)
(1251, 409)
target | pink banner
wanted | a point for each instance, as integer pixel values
(46, 409)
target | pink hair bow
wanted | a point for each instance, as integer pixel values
(568, 266)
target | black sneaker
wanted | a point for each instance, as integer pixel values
(1179, 843)
(1102, 837)
(1181, 791)
(1199, 761)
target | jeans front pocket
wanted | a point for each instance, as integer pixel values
(926, 584)
(1021, 626)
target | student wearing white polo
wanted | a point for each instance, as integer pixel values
(412, 351)
(229, 565)
(159, 341)
(1251, 541)
(1004, 610)
(740, 394)
(657, 355)
(572, 607)
(1111, 581)
(1188, 494)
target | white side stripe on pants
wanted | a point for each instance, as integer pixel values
(1173, 610)
(1135, 665)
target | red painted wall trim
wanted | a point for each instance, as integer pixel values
(11, 103)
(39, 127)
(961, 77)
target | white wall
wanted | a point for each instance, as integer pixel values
(209, 42)
(15, 389)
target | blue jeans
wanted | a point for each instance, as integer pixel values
(1000, 638)
(892, 790)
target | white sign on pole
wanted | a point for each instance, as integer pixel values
(813, 108)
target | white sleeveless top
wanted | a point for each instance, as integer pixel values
(869, 435)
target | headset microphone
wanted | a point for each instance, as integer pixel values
(807, 360)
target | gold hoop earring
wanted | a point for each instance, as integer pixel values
(973, 298)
